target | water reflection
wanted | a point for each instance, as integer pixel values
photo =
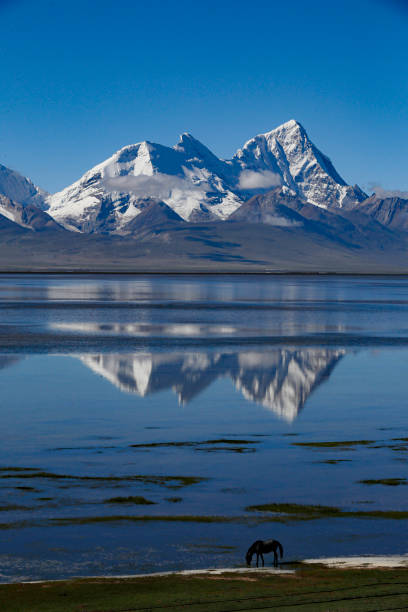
(6, 361)
(280, 380)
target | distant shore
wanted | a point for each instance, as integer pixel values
(184, 272)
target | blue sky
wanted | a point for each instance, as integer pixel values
(81, 79)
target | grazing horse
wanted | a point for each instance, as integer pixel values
(259, 547)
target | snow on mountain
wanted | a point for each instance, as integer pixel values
(20, 189)
(196, 184)
(279, 380)
(26, 215)
(288, 152)
(107, 197)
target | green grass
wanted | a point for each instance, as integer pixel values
(314, 589)
(389, 482)
(131, 499)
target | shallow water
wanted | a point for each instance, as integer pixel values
(197, 394)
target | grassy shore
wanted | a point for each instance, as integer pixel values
(309, 589)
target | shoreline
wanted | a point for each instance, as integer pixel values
(155, 272)
(311, 588)
(361, 562)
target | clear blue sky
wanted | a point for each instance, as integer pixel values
(80, 79)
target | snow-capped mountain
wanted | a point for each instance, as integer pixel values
(23, 203)
(279, 380)
(288, 152)
(27, 215)
(196, 184)
(20, 189)
(187, 177)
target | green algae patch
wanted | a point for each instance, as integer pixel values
(338, 444)
(196, 444)
(333, 461)
(18, 469)
(174, 500)
(297, 509)
(304, 512)
(131, 499)
(389, 482)
(230, 449)
(172, 482)
(180, 518)
(10, 507)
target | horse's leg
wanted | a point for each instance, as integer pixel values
(263, 560)
(275, 558)
(257, 559)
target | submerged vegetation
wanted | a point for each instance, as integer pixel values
(131, 499)
(170, 518)
(215, 445)
(334, 461)
(390, 482)
(310, 512)
(342, 443)
(172, 482)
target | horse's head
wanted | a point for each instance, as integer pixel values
(248, 557)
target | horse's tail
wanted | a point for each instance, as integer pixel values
(280, 548)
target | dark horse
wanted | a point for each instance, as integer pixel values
(259, 547)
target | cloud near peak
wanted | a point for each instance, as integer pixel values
(260, 179)
(156, 186)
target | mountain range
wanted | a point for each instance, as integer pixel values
(278, 205)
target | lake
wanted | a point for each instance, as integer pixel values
(153, 423)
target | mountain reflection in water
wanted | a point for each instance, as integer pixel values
(279, 380)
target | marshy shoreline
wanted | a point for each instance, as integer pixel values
(379, 583)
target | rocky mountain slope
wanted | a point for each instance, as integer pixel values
(27, 215)
(389, 211)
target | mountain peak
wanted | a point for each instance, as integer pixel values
(289, 127)
(20, 189)
(189, 145)
(187, 137)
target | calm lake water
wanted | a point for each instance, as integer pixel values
(200, 397)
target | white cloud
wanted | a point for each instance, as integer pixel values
(387, 193)
(261, 179)
(280, 221)
(159, 186)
